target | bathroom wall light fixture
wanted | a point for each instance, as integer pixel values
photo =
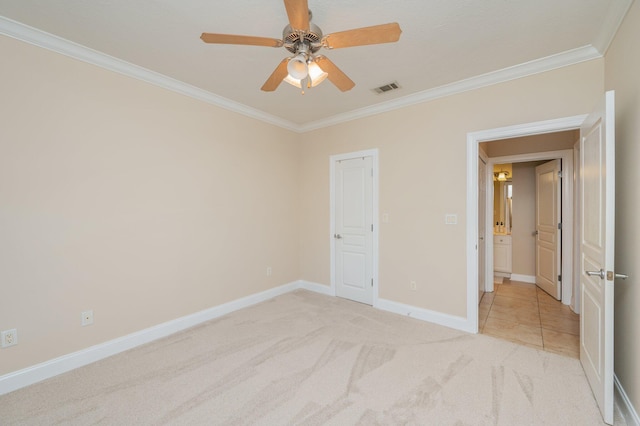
(501, 176)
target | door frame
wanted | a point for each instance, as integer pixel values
(333, 159)
(482, 157)
(473, 141)
(567, 218)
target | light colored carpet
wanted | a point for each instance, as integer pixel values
(304, 358)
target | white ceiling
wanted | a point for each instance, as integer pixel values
(444, 47)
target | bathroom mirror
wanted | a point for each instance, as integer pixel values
(502, 206)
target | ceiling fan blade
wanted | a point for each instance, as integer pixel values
(385, 33)
(276, 77)
(298, 13)
(335, 74)
(240, 39)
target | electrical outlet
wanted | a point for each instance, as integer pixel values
(269, 271)
(86, 318)
(413, 286)
(9, 338)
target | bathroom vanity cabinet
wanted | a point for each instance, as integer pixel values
(502, 254)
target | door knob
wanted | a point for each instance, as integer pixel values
(599, 273)
(337, 236)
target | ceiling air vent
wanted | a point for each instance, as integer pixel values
(386, 88)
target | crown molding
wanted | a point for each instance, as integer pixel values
(74, 50)
(615, 15)
(65, 47)
(549, 63)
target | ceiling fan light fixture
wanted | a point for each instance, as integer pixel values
(316, 75)
(297, 67)
(304, 39)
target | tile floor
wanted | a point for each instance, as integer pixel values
(524, 314)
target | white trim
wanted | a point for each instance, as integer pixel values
(575, 305)
(315, 287)
(472, 237)
(451, 321)
(624, 404)
(502, 275)
(33, 374)
(65, 47)
(549, 63)
(376, 225)
(612, 21)
(473, 139)
(523, 278)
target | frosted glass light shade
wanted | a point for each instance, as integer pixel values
(316, 75)
(297, 67)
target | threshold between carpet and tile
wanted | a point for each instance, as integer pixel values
(522, 313)
(306, 358)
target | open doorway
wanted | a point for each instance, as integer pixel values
(474, 240)
(594, 198)
(523, 303)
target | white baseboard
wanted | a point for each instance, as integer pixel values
(624, 404)
(317, 288)
(30, 375)
(523, 278)
(422, 314)
(451, 321)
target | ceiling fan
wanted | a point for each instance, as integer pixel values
(305, 69)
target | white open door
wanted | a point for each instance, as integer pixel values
(597, 220)
(354, 229)
(548, 217)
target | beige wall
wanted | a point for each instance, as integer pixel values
(139, 203)
(622, 72)
(145, 205)
(423, 177)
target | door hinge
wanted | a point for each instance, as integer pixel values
(371, 282)
(560, 174)
(371, 172)
(559, 277)
(372, 227)
(560, 225)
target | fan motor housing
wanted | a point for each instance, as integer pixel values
(293, 39)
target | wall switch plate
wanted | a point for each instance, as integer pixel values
(9, 337)
(413, 286)
(269, 271)
(385, 217)
(451, 219)
(86, 318)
